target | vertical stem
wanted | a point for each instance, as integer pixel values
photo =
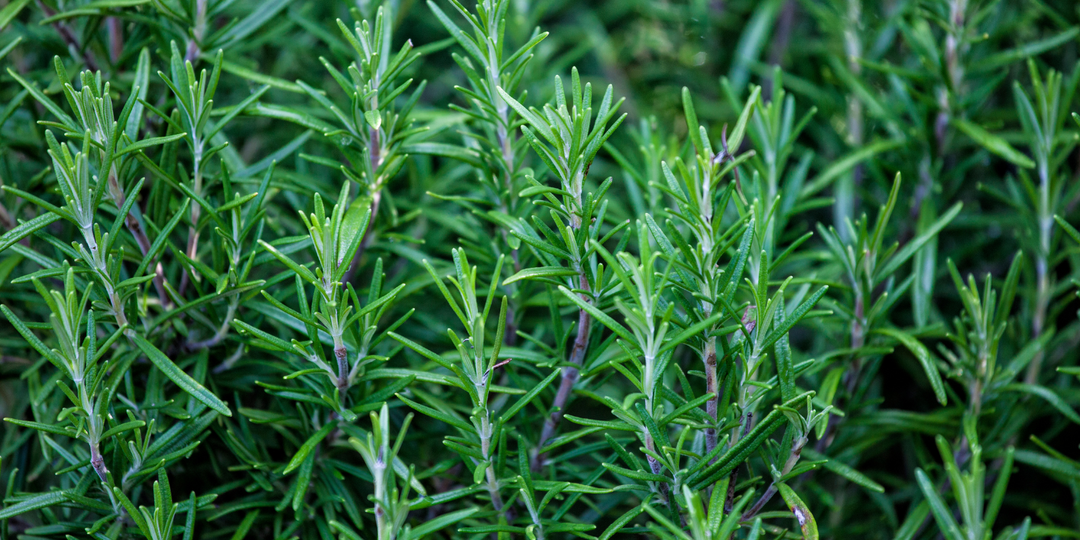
(1042, 269)
(729, 502)
(485, 449)
(341, 354)
(116, 39)
(197, 32)
(712, 386)
(196, 210)
(375, 153)
(116, 193)
(506, 145)
(848, 201)
(655, 467)
(97, 461)
(569, 377)
(381, 524)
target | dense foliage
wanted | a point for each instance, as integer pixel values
(681, 269)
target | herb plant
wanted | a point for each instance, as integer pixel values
(666, 269)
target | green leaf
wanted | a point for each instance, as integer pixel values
(263, 12)
(886, 270)
(845, 164)
(260, 78)
(437, 414)
(604, 318)
(177, 375)
(923, 355)
(301, 271)
(995, 144)
(26, 228)
(1069, 229)
(126, 426)
(1047, 395)
(36, 502)
(802, 512)
(746, 446)
(635, 475)
(849, 473)
(524, 400)
(43, 99)
(622, 521)
(147, 143)
(540, 272)
(942, 514)
(755, 34)
(308, 446)
(47, 428)
(11, 11)
(781, 330)
(441, 522)
(465, 155)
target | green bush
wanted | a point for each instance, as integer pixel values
(285, 269)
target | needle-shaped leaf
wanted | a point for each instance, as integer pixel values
(178, 376)
(802, 512)
(923, 355)
(942, 515)
(995, 144)
(308, 447)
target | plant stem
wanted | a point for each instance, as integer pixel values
(853, 50)
(569, 377)
(222, 331)
(131, 220)
(69, 38)
(1042, 269)
(196, 210)
(381, 525)
(116, 39)
(656, 468)
(793, 458)
(375, 153)
(486, 434)
(193, 50)
(712, 386)
(729, 502)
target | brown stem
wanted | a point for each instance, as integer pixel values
(135, 227)
(796, 451)
(729, 502)
(219, 335)
(655, 467)
(116, 39)
(711, 387)
(569, 377)
(342, 356)
(375, 154)
(98, 462)
(193, 49)
(70, 39)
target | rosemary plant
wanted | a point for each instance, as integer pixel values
(397, 270)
